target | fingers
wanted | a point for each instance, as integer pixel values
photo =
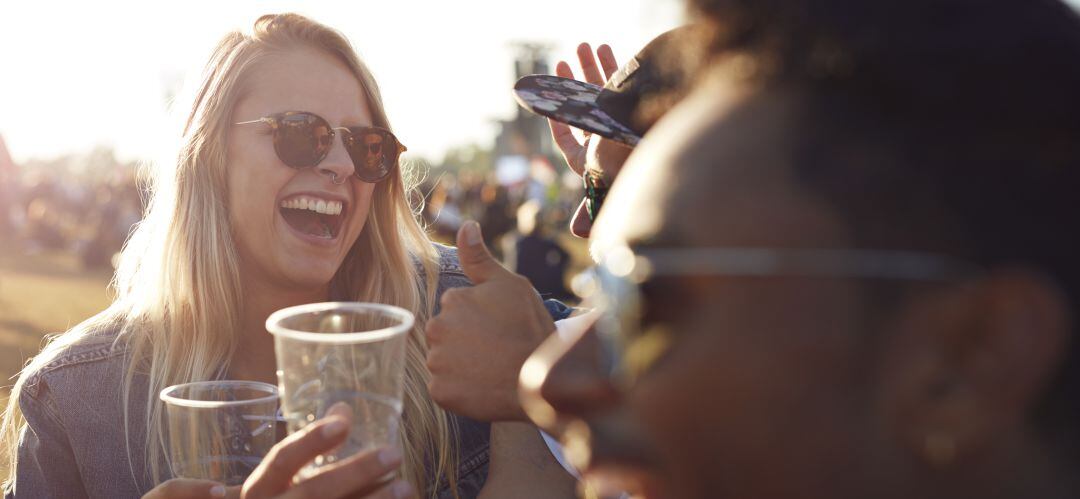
(340, 409)
(361, 475)
(562, 69)
(476, 261)
(588, 64)
(607, 60)
(568, 144)
(275, 473)
(186, 488)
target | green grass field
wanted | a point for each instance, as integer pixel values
(39, 295)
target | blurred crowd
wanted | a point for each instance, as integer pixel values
(46, 208)
(89, 216)
(522, 221)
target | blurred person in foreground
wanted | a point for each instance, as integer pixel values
(846, 266)
(499, 321)
(273, 200)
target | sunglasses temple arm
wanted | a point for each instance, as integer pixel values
(260, 120)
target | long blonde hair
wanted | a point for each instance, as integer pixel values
(178, 298)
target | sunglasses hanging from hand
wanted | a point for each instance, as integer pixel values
(303, 140)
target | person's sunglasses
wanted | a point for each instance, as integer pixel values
(595, 192)
(614, 286)
(303, 140)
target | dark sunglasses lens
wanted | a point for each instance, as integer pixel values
(302, 140)
(374, 153)
(595, 191)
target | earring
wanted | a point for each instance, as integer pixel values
(939, 449)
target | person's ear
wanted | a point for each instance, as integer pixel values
(966, 364)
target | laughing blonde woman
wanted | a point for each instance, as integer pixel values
(287, 190)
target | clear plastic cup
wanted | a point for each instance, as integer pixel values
(219, 430)
(342, 352)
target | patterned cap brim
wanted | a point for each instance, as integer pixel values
(572, 102)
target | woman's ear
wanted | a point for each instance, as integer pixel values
(969, 362)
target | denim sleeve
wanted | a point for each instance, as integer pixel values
(46, 466)
(557, 309)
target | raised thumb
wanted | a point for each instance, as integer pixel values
(476, 260)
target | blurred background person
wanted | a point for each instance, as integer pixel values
(534, 253)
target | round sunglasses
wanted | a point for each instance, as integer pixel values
(303, 140)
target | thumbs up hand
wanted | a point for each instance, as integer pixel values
(482, 336)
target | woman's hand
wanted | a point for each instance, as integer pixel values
(361, 475)
(356, 476)
(573, 149)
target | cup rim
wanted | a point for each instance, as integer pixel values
(213, 404)
(273, 323)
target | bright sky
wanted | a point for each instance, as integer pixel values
(76, 74)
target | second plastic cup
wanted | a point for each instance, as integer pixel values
(347, 352)
(219, 430)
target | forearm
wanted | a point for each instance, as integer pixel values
(523, 467)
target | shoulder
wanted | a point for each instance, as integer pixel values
(449, 264)
(73, 405)
(451, 274)
(447, 261)
(76, 365)
(73, 387)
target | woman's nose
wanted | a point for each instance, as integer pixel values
(337, 164)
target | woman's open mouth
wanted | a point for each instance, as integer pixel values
(314, 216)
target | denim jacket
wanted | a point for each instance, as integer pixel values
(74, 445)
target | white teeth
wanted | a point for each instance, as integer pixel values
(317, 205)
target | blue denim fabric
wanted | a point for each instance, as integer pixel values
(74, 443)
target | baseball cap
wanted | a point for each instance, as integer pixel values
(614, 110)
